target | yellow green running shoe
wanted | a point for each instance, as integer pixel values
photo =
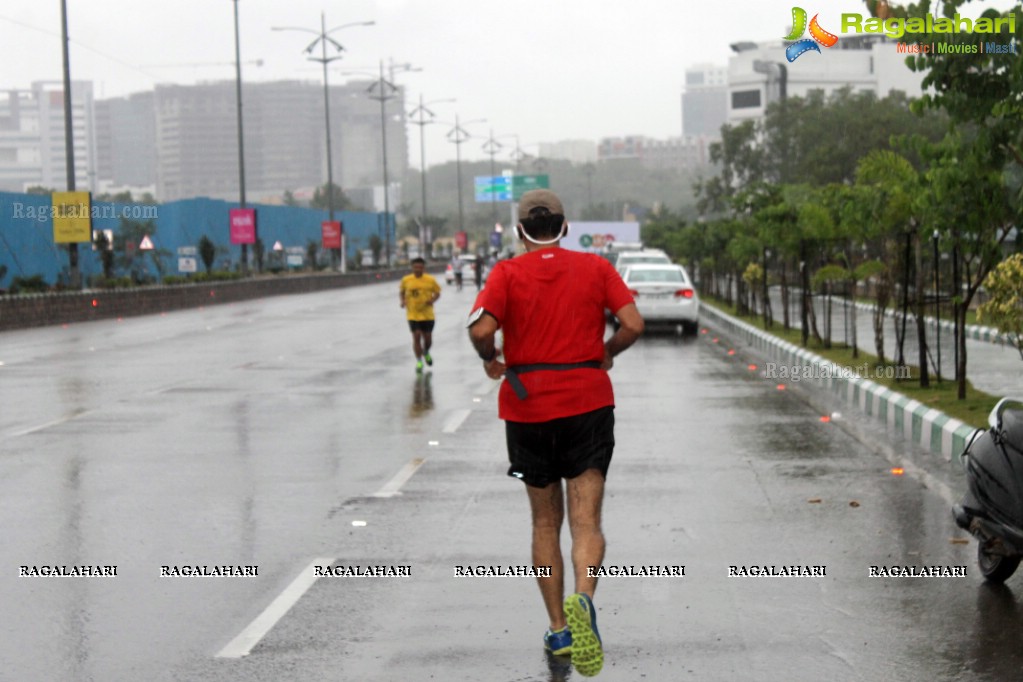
(587, 649)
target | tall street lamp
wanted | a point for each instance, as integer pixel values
(458, 135)
(74, 274)
(241, 140)
(323, 37)
(769, 68)
(937, 299)
(386, 90)
(492, 147)
(422, 112)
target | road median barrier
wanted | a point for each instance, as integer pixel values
(40, 310)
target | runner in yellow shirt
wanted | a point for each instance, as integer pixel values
(418, 292)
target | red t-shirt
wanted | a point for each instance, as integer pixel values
(550, 306)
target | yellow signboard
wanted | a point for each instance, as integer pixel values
(72, 220)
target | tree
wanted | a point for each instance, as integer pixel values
(259, 253)
(886, 183)
(311, 247)
(207, 252)
(376, 245)
(106, 253)
(320, 199)
(967, 200)
(801, 144)
(742, 162)
(976, 169)
(1004, 308)
(128, 257)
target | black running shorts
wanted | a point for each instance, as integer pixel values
(542, 453)
(425, 326)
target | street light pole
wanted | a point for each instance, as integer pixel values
(937, 302)
(386, 90)
(422, 112)
(241, 138)
(74, 275)
(767, 68)
(491, 147)
(323, 37)
(459, 135)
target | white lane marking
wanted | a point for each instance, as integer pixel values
(55, 422)
(489, 387)
(393, 487)
(455, 420)
(257, 629)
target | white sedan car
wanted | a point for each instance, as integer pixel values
(664, 293)
(627, 259)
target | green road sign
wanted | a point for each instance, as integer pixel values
(508, 187)
(523, 183)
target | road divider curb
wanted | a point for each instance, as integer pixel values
(929, 428)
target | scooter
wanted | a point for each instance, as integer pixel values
(992, 509)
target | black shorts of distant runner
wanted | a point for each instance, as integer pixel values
(542, 453)
(421, 326)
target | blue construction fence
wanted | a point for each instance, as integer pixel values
(27, 247)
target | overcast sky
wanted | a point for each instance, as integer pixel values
(546, 70)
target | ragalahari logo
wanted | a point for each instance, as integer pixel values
(818, 35)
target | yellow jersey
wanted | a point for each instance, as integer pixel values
(418, 292)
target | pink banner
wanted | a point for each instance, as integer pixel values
(331, 230)
(243, 225)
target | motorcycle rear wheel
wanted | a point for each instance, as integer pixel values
(996, 568)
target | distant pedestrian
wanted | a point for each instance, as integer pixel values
(456, 268)
(477, 271)
(557, 402)
(418, 292)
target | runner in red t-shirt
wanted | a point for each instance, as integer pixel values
(557, 402)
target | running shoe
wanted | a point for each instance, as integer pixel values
(558, 642)
(587, 649)
(429, 360)
(419, 366)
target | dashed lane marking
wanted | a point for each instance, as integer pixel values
(455, 420)
(49, 424)
(393, 487)
(264, 622)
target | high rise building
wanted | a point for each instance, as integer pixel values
(705, 101)
(575, 151)
(126, 141)
(32, 137)
(757, 72)
(285, 147)
(674, 153)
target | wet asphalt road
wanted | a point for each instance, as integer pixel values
(273, 434)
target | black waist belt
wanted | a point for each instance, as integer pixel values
(512, 373)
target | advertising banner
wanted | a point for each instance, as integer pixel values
(331, 232)
(72, 217)
(243, 225)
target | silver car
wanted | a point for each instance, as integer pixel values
(627, 259)
(664, 293)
